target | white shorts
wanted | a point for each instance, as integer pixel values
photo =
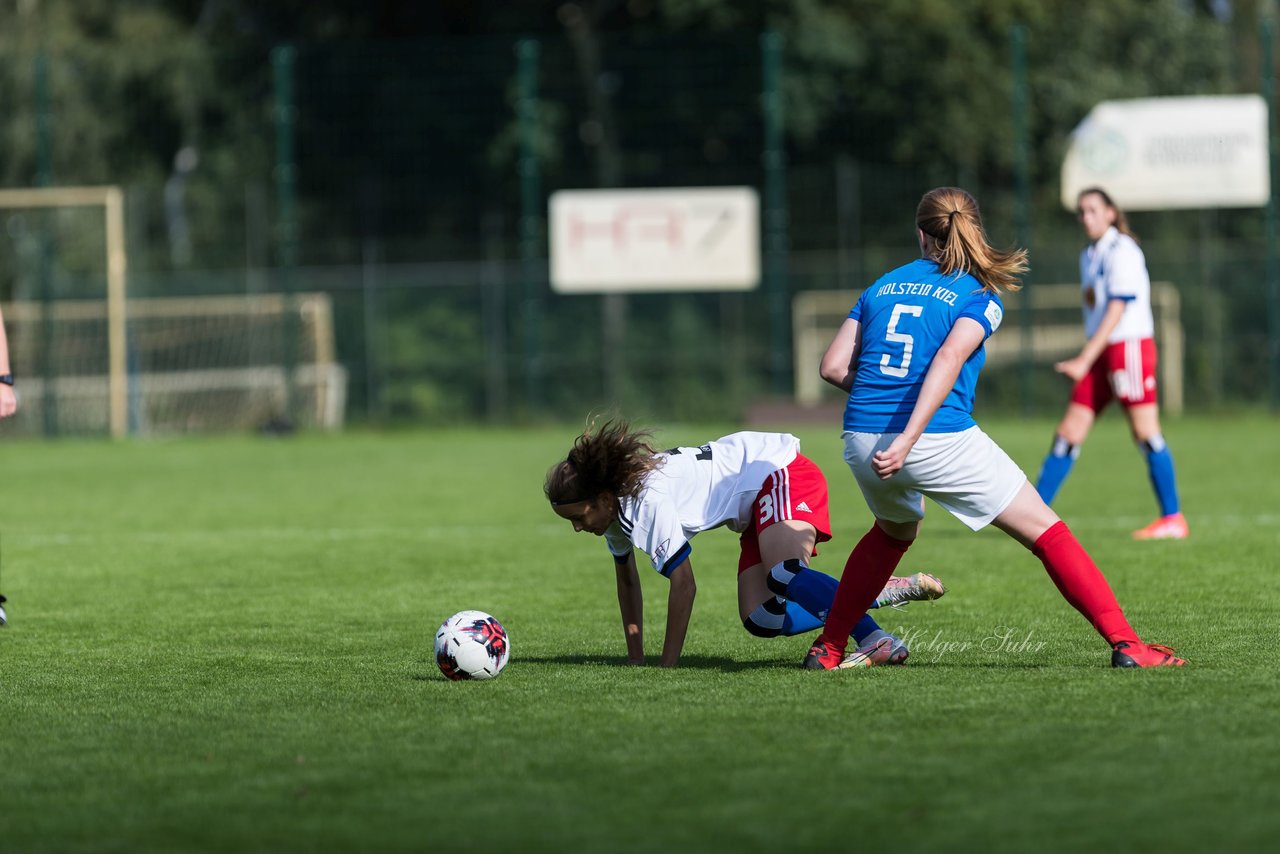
(966, 472)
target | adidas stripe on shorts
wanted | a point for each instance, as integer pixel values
(797, 492)
(1126, 371)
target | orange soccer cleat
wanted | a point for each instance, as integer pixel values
(823, 656)
(1173, 527)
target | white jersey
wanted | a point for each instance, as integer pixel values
(697, 489)
(1115, 268)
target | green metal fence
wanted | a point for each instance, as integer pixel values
(409, 181)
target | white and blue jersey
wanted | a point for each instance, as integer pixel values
(695, 490)
(1115, 268)
(904, 318)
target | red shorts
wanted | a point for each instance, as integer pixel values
(1125, 371)
(798, 493)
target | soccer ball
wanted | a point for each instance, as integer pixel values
(471, 645)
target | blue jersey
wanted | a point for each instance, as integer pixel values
(905, 316)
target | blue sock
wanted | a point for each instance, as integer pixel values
(1057, 465)
(1163, 480)
(811, 593)
(864, 627)
(798, 621)
(814, 591)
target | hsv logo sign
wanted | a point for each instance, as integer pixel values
(691, 239)
(1170, 153)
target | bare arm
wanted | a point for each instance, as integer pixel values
(8, 400)
(679, 609)
(840, 362)
(1077, 367)
(964, 338)
(631, 603)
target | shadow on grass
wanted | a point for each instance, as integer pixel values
(687, 662)
(729, 665)
(692, 662)
(979, 665)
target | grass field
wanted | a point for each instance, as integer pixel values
(225, 645)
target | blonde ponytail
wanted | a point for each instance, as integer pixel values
(950, 216)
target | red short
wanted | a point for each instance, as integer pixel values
(797, 492)
(1125, 371)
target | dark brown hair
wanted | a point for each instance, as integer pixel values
(609, 458)
(1122, 221)
(950, 216)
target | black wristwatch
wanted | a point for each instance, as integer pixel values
(7, 379)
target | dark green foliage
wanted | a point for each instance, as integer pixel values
(408, 152)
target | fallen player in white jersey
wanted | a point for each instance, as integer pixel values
(615, 485)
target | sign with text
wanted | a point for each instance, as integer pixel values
(687, 239)
(1171, 153)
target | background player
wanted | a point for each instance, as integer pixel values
(614, 484)
(8, 406)
(8, 400)
(1118, 360)
(909, 356)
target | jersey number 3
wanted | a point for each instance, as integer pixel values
(892, 334)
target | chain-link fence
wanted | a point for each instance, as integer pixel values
(408, 182)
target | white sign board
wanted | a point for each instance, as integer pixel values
(1168, 153)
(690, 239)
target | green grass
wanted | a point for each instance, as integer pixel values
(225, 645)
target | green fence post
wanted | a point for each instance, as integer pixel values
(775, 214)
(1022, 215)
(44, 123)
(528, 53)
(283, 63)
(44, 178)
(1273, 270)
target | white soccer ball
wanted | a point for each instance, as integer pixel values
(471, 645)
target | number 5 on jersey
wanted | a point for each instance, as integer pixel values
(892, 334)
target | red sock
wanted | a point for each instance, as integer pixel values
(869, 566)
(1082, 583)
